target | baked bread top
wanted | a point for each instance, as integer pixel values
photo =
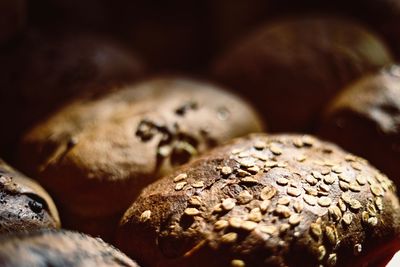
(263, 200)
(24, 204)
(96, 154)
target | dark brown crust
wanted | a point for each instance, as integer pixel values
(291, 68)
(24, 205)
(58, 249)
(365, 119)
(380, 15)
(95, 155)
(317, 221)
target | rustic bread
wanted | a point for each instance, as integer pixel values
(59, 249)
(382, 16)
(24, 205)
(291, 68)
(43, 71)
(277, 200)
(365, 119)
(96, 154)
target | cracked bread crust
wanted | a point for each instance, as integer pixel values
(95, 155)
(59, 248)
(278, 200)
(24, 205)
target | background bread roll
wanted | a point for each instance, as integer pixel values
(96, 154)
(292, 67)
(365, 119)
(41, 72)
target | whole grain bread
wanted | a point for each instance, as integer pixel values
(24, 204)
(96, 154)
(290, 68)
(365, 119)
(264, 200)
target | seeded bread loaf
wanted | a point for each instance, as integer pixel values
(278, 200)
(24, 205)
(96, 154)
(365, 119)
(59, 249)
(292, 67)
(41, 72)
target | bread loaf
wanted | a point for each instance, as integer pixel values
(264, 200)
(96, 154)
(24, 204)
(292, 67)
(365, 119)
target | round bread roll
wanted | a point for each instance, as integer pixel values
(24, 205)
(96, 154)
(365, 119)
(292, 67)
(383, 16)
(59, 249)
(12, 18)
(42, 72)
(277, 200)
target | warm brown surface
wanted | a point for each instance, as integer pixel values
(96, 154)
(24, 205)
(278, 200)
(382, 16)
(292, 67)
(365, 119)
(59, 249)
(12, 18)
(41, 72)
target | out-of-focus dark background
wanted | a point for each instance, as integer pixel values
(52, 50)
(184, 35)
